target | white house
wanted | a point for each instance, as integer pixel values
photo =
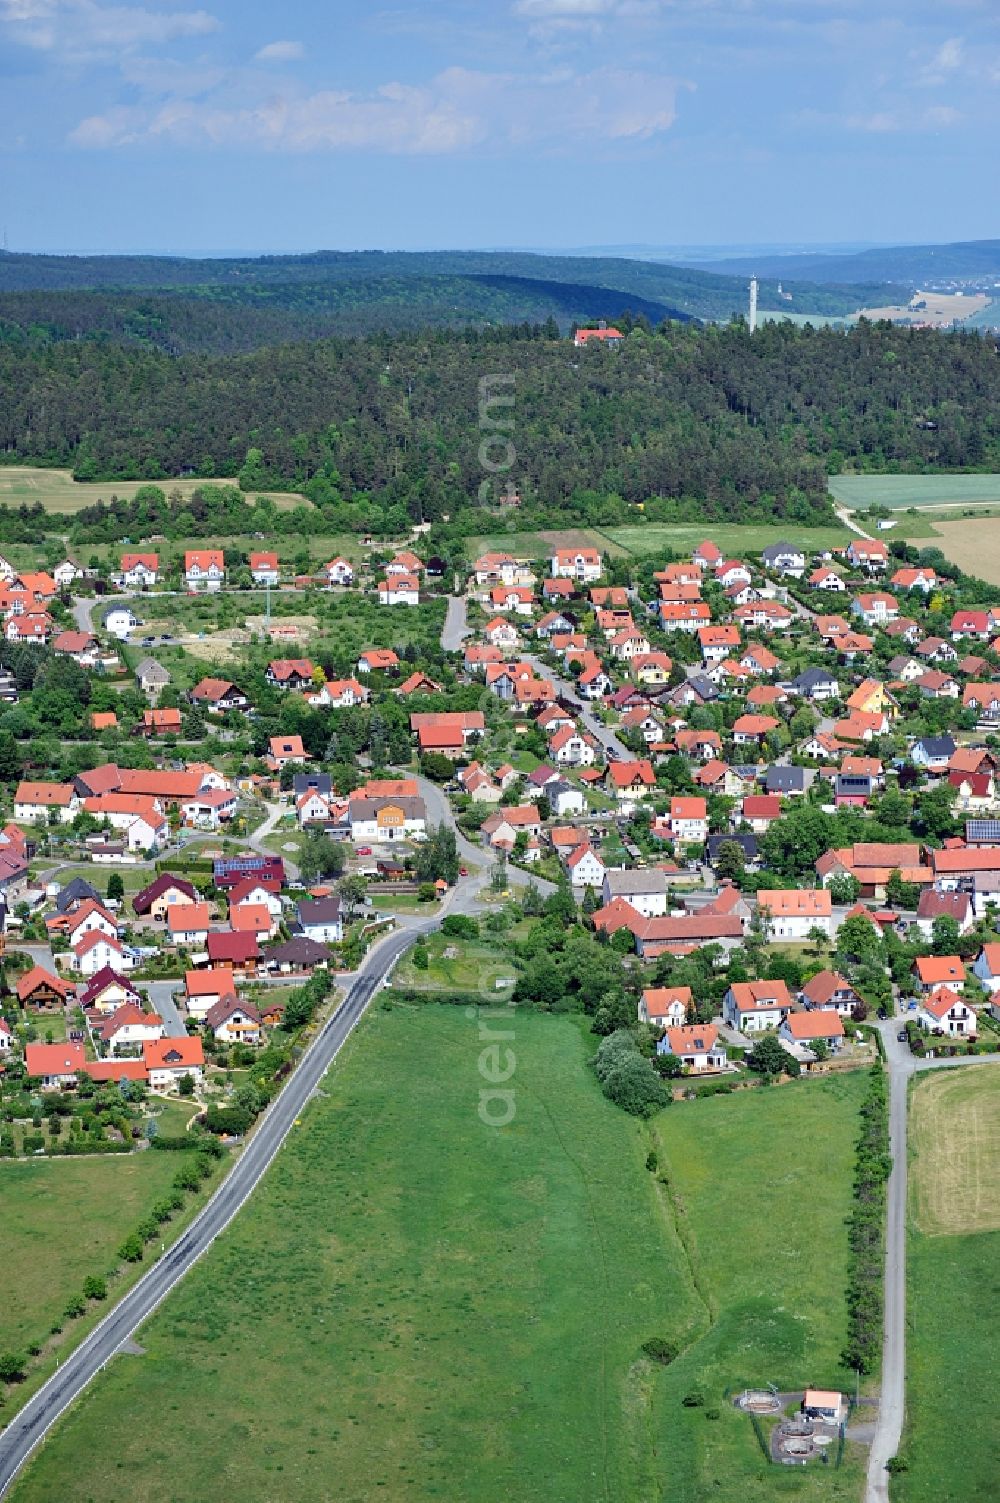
(168, 1060)
(944, 1011)
(204, 569)
(320, 919)
(665, 1006)
(399, 589)
(689, 820)
(95, 950)
(65, 573)
(128, 1026)
(139, 571)
(697, 1047)
(643, 890)
(576, 563)
(986, 967)
(756, 1006)
(264, 568)
(585, 867)
(339, 571)
(120, 620)
(565, 799)
(32, 802)
(792, 913)
(799, 1031)
(188, 924)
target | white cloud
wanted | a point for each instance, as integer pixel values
(945, 63)
(551, 19)
(457, 110)
(84, 30)
(280, 52)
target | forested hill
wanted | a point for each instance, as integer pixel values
(343, 275)
(229, 320)
(721, 423)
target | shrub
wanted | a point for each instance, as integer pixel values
(131, 1249)
(627, 1078)
(693, 1400)
(658, 1349)
(94, 1287)
(74, 1308)
(460, 926)
(12, 1366)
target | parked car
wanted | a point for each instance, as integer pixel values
(902, 1036)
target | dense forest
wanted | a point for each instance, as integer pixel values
(231, 320)
(344, 277)
(736, 426)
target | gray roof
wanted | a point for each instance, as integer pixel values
(621, 884)
(776, 551)
(299, 951)
(151, 669)
(319, 911)
(785, 779)
(811, 678)
(310, 782)
(411, 804)
(75, 891)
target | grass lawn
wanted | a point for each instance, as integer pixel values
(953, 1261)
(64, 1219)
(857, 491)
(762, 1182)
(731, 537)
(134, 878)
(542, 544)
(454, 1312)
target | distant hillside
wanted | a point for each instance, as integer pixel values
(910, 265)
(230, 319)
(680, 290)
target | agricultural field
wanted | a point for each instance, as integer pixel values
(731, 537)
(899, 491)
(655, 537)
(543, 544)
(64, 1219)
(57, 491)
(466, 1320)
(953, 1257)
(761, 1185)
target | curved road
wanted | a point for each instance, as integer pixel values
(892, 1403)
(28, 1427)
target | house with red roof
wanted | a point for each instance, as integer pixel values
(204, 570)
(168, 1060)
(943, 1011)
(697, 1047)
(55, 1065)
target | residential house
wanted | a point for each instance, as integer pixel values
(168, 1060)
(829, 991)
(379, 660)
(339, 571)
(291, 673)
(945, 1012)
(800, 1032)
(934, 905)
(665, 1006)
(203, 989)
(218, 695)
(756, 1006)
(204, 569)
(399, 589)
(585, 867)
(55, 1066)
(689, 819)
(876, 608)
(697, 1047)
(42, 989)
(264, 568)
(128, 1027)
(321, 919)
(645, 890)
(139, 571)
(188, 924)
(234, 1022)
(583, 564)
(151, 677)
(161, 895)
(792, 913)
(33, 802)
(119, 621)
(932, 971)
(784, 558)
(869, 555)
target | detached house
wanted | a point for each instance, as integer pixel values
(697, 1047)
(139, 571)
(944, 1012)
(756, 1006)
(576, 563)
(792, 913)
(204, 569)
(264, 568)
(665, 1006)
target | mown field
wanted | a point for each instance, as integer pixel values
(953, 1281)
(761, 1182)
(57, 491)
(62, 1220)
(655, 537)
(859, 491)
(423, 1306)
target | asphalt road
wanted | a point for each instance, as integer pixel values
(569, 690)
(892, 1403)
(28, 1427)
(456, 625)
(161, 1000)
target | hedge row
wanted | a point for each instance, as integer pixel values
(866, 1229)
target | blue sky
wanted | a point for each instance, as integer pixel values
(315, 123)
